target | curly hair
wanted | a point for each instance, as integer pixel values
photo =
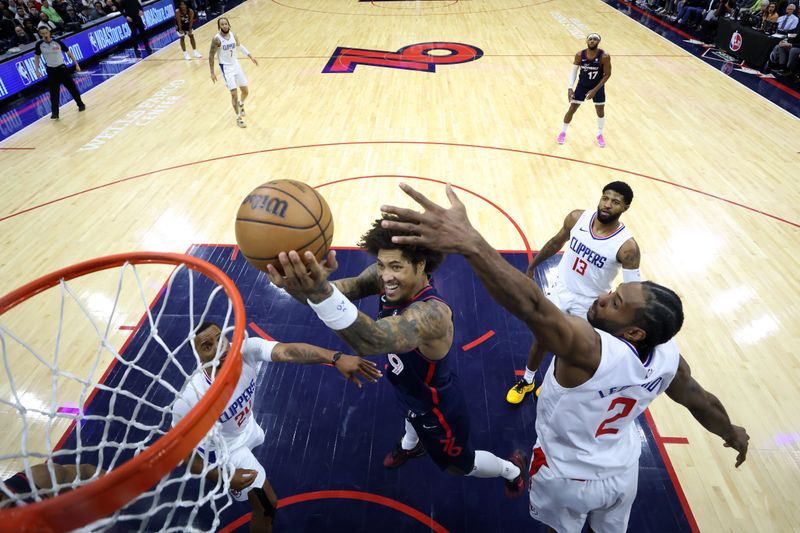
(379, 238)
(662, 316)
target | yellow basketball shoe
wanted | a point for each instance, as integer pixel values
(517, 393)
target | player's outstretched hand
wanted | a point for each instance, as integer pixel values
(437, 228)
(213, 78)
(351, 366)
(304, 278)
(739, 442)
(253, 59)
(243, 478)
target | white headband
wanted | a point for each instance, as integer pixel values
(597, 35)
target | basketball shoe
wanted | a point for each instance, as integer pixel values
(515, 487)
(195, 53)
(561, 137)
(240, 122)
(186, 56)
(398, 457)
(241, 110)
(517, 393)
(601, 142)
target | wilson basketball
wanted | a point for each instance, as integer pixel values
(280, 216)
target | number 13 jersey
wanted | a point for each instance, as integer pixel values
(590, 264)
(587, 432)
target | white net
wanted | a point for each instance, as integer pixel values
(75, 407)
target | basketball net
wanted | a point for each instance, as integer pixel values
(119, 421)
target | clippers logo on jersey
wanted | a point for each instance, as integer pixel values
(421, 57)
(735, 42)
(237, 408)
(267, 203)
(587, 253)
(591, 69)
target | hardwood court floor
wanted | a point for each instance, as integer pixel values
(157, 163)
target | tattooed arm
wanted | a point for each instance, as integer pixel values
(425, 325)
(365, 284)
(629, 254)
(556, 242)
(306, 354)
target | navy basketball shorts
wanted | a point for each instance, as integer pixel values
(579, 96)
(445, 435)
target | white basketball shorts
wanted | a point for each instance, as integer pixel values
(242, 457)
(566, 504)
(568, 301)
(234, 76)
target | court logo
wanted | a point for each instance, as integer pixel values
(23, 73)
(422, 57)
(736, 41)
(3, 90)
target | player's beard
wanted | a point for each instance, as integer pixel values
(607, 219)
(590, 47)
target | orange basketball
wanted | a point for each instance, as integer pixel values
(280, 216)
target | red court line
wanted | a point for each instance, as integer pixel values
(346, 495)
(671, 470)
(128, 328)
(782, 87)
(470, 345)
(11, 149)
(234, 253)
(674, 440)
(459, 187)
(424, 143)
(260, 332)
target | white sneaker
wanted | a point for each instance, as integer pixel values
(240, 122)
(195, 53)
(241, 110)
(186, 56)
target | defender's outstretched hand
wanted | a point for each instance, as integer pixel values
(437, 228)
(738, 441)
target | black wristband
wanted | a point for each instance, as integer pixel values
(336, 357)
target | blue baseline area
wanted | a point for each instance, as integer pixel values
(325, 434)
(782, 92)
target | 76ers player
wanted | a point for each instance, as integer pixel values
(606, 372)
(599, 246)
(595, 69)
(239, 428)
(415, 329)
(226, 42)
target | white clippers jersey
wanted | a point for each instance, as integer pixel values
(226, 53)
(590, 264)
(587, 432)
(238, 413)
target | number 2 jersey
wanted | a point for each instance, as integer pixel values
(589, 264)
(587, 432)
(239, 413)
(421, 384)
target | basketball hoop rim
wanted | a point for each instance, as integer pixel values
(113, 490)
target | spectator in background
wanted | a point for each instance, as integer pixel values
(52, 14)
(788, 22)
(720, 9)
(769, 20)
(72, 21)
(133, 12)
(22, 38)
(30, 28)
(45, 22)
(22, 13)
(691, 13)
(86, 14)
(98, 11)
(785, 55)
(111, 6)
(58, 74)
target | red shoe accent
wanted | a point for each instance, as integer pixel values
(398, 457)
(517, 486)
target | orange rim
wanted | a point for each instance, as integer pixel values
(116, 488)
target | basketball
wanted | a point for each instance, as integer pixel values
(280, 216)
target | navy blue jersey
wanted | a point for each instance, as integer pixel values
(591, 70)
(421, 384)
(19, 484)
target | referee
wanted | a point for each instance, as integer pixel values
(57, 72)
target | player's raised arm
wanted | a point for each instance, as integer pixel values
(449, 230)
(708, 410)
(556, 242)
(368, 283)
